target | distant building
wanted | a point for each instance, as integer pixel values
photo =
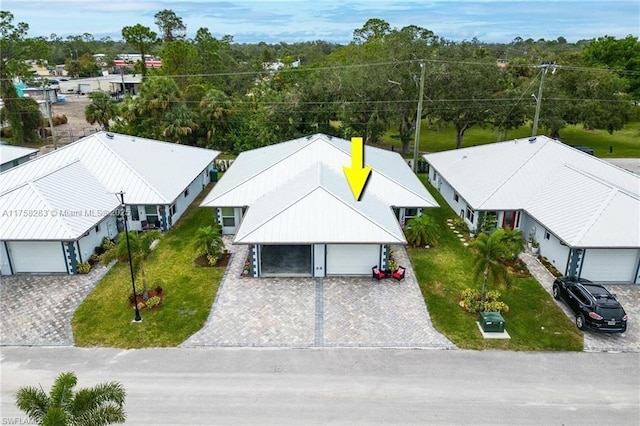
(11, 156)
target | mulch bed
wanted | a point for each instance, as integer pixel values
(204, 262)
(152, 292)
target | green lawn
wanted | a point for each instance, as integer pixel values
(105, 317)
(623, 143)
(534, 322)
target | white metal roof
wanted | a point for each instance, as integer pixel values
(583, 200)
(60, 205)
(8, 153)
(148, 171)
(259, 171)
(317, 206)
(296, 192)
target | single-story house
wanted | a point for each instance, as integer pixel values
(292, 204)
(11, 155)
(58, 207)
(584, 212)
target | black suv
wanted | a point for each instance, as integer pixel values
(592, 304)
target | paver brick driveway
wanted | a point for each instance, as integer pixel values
(37, 309)
(308, 312)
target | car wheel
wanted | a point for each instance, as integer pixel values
(580, 321)
(556, 291)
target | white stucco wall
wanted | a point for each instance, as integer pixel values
(194, 188)
(87, 244)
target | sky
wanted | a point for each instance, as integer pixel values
(334, 20)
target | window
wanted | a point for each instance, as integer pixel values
(410, 212)
(172, 210)
(186, 193)
(152, 215)
(470, 215)
(97, 228)
(228, 216)
(135, 215)
(547, 235)
(456, 198)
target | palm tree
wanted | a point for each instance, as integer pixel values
(489, 254)
(101, 110)
(215, 109)
(102, 404)
(140, 246)
(179, 123)
(421, 230)
(208, 242)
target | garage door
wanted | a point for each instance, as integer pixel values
(42, 256)
(352, 259)
(285, 261)
(613, 265)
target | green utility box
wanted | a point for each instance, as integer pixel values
(491, 322)
(213, 175)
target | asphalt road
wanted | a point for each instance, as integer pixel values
(342, 386)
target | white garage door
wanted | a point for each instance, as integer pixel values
(613, 265)
(352, 259)
(41, 256)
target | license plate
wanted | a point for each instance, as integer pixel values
(612, 322)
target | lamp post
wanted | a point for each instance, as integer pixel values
(137, 318)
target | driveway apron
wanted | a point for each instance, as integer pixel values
(37, 309)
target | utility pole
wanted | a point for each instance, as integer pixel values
(416, 142)
(48, 101)
(545, 67)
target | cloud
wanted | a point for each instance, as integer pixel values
(335, 21)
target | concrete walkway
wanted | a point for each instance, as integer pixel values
(627, 294)
(37, 309)
(308, 312)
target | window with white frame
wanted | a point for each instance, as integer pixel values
(470, 215)
(547, 235)
(228, 216)
(456, 198)
(135, 216)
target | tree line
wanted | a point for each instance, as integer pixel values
(216, 93)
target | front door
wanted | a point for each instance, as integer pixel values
(510, 219)
(318, 260)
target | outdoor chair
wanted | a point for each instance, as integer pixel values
(377, 273)
(399, 274)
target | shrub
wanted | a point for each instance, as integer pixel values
(93, 259)
(153, 301)
(107, 244)
(471, 301)
(158, 290)
(421, 231)
(83, 268)
(99, 250)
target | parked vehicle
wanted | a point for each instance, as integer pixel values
(593, 305)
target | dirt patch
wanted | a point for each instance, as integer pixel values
(76, 127)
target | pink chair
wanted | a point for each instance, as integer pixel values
(377, 273)
(399, 274)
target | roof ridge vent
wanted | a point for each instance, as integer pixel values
(532, 139)
(109, 135)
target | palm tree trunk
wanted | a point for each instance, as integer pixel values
(145, 292)
(484, 285)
